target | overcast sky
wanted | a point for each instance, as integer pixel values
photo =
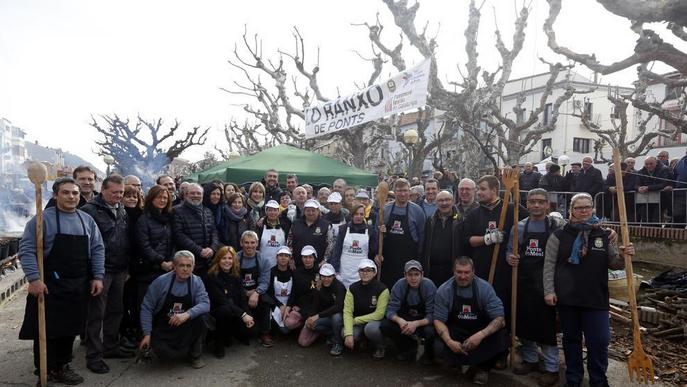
(61, 61)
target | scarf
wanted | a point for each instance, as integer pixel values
(579, 248)
(162, 217)
(235, 216)
(255, 209)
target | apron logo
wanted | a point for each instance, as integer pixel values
(374, 300)
(248, 280)
(284, 291)
(177, 308)
(467, 309)
(273, 241)
(533, 249)
(491, 225)
(466, 313)
(355, 247)
(397, 227)
(318, 231)
(598, 243)
(413, 312)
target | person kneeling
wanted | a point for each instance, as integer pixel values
(173, 313)
(364, 308)
(325, 317)
(469, 319)
(410, 314)
(229, 303)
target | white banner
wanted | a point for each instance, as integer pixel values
(404, 91)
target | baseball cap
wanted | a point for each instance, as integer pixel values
(327, 270)
(362, 194)
(272, 204)
(284, 250)
(308, 250)
(334, 197)
(367, 263)
(311, 203)
(412, 264)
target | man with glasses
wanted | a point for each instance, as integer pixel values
(533, 233)
(466, 197)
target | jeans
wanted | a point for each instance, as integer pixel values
(371, 331)
(594, 324)
(530, 354)
(330, 326)
(104, 316)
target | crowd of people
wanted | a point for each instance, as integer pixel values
(654, 193)
(174, 270)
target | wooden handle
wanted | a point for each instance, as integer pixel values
(514, 275)
(497, 247)
(37, 174)
(382, 194)
(625, 234)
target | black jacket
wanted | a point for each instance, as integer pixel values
(154, 240)
(227, 296)
(529, 181)
(304, 287)
(194, 229)
(114, 229)
(553, 183)
(590, 181)
(648, 179)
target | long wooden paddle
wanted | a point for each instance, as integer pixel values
(514, 276)
(382, 193)
(37, 174)
(509, 177)
(638, 363)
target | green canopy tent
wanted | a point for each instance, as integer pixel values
(310, 167)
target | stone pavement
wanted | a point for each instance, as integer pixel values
(284, 365)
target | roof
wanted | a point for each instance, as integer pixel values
(310, 167)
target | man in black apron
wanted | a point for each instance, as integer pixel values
(469, 320)
(404, 229)
(74, 256)
(536, 323)
(410, 313)
(174, 312)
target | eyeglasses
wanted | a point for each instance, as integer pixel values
(582, 208)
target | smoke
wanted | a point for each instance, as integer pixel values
(18, 204)
(147, 170)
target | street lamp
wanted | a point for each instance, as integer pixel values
(410, 137)
(233, 155)
(563, 160)
(109, 160)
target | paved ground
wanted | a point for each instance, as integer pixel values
(284, 365)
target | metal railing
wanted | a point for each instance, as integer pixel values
(652, 209)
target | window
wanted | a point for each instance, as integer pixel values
(520, 116)
(545, 143)
(615, 113)
(581, 145)
(588, 109)
(548, 112)
(676, 138)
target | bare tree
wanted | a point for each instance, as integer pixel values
(141, 150)
(475, 108)
(650, 47)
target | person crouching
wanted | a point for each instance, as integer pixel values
(173, 313)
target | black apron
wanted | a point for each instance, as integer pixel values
(249, 277)
(180, 337)
(467, 318)
(536, 320)
(440, 257)
(412, 312)
(399, 247)
(66, 274)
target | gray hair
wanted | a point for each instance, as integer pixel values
(538, 191)
(184, 254)
(249, 234)
(467, 181)
(194, 185)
